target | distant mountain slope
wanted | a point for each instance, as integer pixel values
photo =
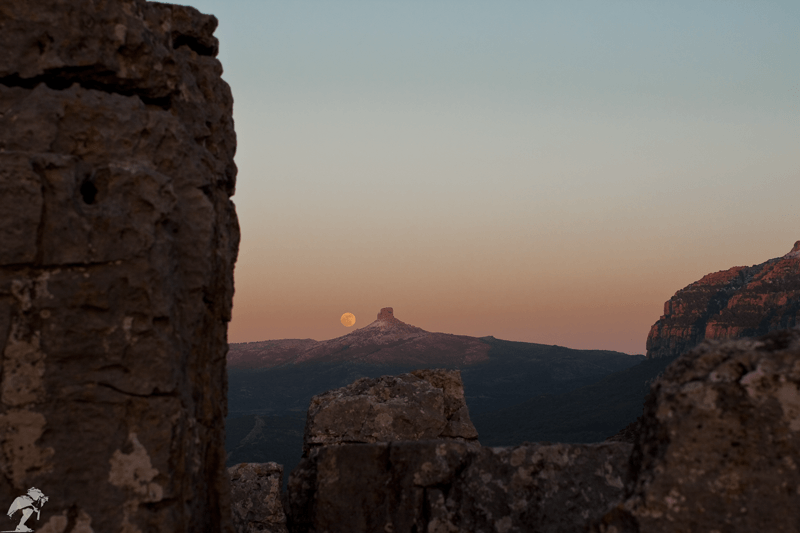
(734, 303)
(508, 374)
(270, 383)
(587, 414)
(516, 371)
(386, 341)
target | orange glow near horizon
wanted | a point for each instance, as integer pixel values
(599, 305)
(539, 172)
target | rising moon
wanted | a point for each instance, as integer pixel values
(348, 319)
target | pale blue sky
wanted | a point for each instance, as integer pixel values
(540, 171)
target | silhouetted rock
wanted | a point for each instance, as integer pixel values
(425, 404)
(629, 433)
(442, 486)
(256, 498)
(116, 266)
(719, 443)
(386, 314)
(735, 303)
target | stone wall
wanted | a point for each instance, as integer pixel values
(118, 242)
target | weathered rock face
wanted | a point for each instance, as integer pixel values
(425, 404)
(719, 443)
(735, 303)
(387, 315)
(256, 498)
(118, 242)
(439, 486)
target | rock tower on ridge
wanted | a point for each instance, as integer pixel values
(387, 313)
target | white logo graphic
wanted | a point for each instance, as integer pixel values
(27, 503)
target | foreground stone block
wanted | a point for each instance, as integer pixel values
(425, 404)
(256, 498)
(116, 171)
(446, 486)
(719, 444)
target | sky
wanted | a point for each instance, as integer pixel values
(546, 172)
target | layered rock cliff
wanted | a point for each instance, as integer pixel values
(734, 303)
(116, 265)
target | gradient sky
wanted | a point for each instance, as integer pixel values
(547, 172)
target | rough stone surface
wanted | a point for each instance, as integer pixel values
(445, 486)
(735, 303)
(719, 443)
(425, 404)
(387, 314)
(119, 237)
(256, 498)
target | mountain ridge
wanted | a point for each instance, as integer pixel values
(385, 341)
(739, 302)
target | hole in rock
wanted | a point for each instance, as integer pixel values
(88, 192)
(194, 44)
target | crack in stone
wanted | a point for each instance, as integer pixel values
(171, 394)
(93, 77)
(194, 44)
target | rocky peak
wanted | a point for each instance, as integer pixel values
(385, 340)
(734, 303)
(387, 313)
(794, 252)
(386, 318)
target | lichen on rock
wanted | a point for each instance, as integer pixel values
(424, 404)
(256, 498)
(116, 270)
(719, 442)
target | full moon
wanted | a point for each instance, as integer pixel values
(348, 319)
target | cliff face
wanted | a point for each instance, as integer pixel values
(735, 303)
(118, 243)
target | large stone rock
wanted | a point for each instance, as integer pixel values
(119, 238)
(446, 486)
(256, 498)
(735, 303)
(425, 404)
(719, 443)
